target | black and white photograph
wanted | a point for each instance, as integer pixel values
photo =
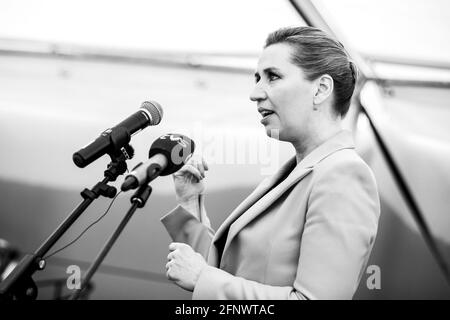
(251, 150)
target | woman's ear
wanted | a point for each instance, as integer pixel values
(324, 89)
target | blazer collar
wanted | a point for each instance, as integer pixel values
(342, 140)
(271, 188)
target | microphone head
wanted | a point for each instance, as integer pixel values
(176, 148)
(154, 111)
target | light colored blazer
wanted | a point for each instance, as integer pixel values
(304, 233)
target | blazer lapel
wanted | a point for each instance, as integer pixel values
(260, 190)
(264, 202)
(220, 236)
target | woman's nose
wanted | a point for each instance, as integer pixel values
(258, 94)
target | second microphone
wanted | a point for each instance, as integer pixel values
(166, 156)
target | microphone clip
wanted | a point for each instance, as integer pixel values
(141, 196)
(119, 139)
(120, 151)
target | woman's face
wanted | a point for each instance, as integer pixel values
(284, 96)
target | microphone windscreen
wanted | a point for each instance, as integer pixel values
(176, 148)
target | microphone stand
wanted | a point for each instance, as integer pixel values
(19, 284)
(138, 200)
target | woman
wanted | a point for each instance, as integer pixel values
(307, 231)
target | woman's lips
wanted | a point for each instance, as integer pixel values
(265, 119)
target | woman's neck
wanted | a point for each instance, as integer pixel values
(304, 146)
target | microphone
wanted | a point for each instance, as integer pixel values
(167, 155)
(116, 138)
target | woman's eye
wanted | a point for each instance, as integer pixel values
(273, 76)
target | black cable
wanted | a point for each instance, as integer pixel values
(85, 230)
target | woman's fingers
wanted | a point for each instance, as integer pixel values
(199, 163)
(201, 169)
(193, 171)
(189, 170)
(205, 165)
(170, 256)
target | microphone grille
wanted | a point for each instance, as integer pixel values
(155, 111)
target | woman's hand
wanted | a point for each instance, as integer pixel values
(188, 180)
(184, 266)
